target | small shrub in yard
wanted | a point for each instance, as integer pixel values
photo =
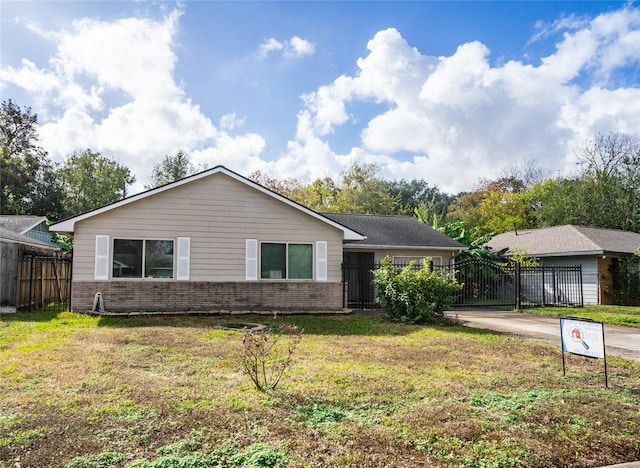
(414, 295)
(267, 354)
(101, 460)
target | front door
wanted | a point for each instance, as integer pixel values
(357, 267)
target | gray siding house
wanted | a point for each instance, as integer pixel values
(594, 249)
(215, 241)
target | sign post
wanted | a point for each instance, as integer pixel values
(584, 337)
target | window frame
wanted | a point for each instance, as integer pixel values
(143, 276)
(287, 266)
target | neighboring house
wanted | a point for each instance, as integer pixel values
(594, 249)
(214, 241)
(12, 245)
(34, 227)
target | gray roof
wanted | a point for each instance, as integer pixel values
(20, 224)
(394, 231)
(568, 240)
(12, 237)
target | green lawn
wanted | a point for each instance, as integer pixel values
(79, 391)
(625, 316)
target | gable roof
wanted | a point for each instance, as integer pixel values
(11, 237)
(68, 226)
(20, 224)
(395, 232)
(568, 240)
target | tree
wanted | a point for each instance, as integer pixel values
(605, 194)
(494, 207)
(320, 195)
(170, 169)
(290, 188)
(615, 153)
(25, 169)
(413, 193)
(360, 190)
(91, 180)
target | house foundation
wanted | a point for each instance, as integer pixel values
(161, 296)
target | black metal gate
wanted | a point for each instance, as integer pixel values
(485, 285)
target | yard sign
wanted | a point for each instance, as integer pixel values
(583, 337)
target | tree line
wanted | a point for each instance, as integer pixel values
(604, 190)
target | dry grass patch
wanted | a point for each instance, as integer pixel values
(80, 391)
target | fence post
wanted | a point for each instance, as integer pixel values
(518, 285)
(31, 278)
(344, 286)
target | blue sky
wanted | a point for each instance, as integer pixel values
(449, 92)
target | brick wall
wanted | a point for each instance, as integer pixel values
(207, 296)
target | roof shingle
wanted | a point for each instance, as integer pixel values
(394, 231)
(568, 240)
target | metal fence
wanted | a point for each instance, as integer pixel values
(485, 285)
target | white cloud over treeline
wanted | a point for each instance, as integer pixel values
(463, 119)
(111, 86)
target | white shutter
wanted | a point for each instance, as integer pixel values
(251, 259)
(182, 268)
(101, 271)
(321, 260)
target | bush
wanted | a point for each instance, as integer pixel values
(414, 295)
(266, 355)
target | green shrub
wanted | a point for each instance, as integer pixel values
(101, 460)
(414, 295)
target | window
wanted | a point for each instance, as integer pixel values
(142, 258)
(286, 261)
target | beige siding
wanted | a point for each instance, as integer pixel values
(217, 213)
(379, 254)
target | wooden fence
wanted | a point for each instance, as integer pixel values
(33, 279)
(45, 281)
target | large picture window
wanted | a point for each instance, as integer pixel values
(142, 258)
(286, 261)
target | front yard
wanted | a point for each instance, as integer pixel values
(625, 316)
(80, 391)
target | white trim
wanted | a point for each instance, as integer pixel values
(251, 260)
(563, 254)
(102, 264)
(321, 260)
(183, 252)
(43, 218)
(68, 225)
(348, 246)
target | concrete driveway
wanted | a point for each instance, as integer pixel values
(619, 341)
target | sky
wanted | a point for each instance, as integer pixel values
(449, 92)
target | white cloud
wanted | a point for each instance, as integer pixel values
(110, 86)
(268, 46)
(293, 48)
(132, 59)
(462, 118)
(298, 47)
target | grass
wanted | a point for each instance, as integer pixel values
(79, 391)
(625, 316)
